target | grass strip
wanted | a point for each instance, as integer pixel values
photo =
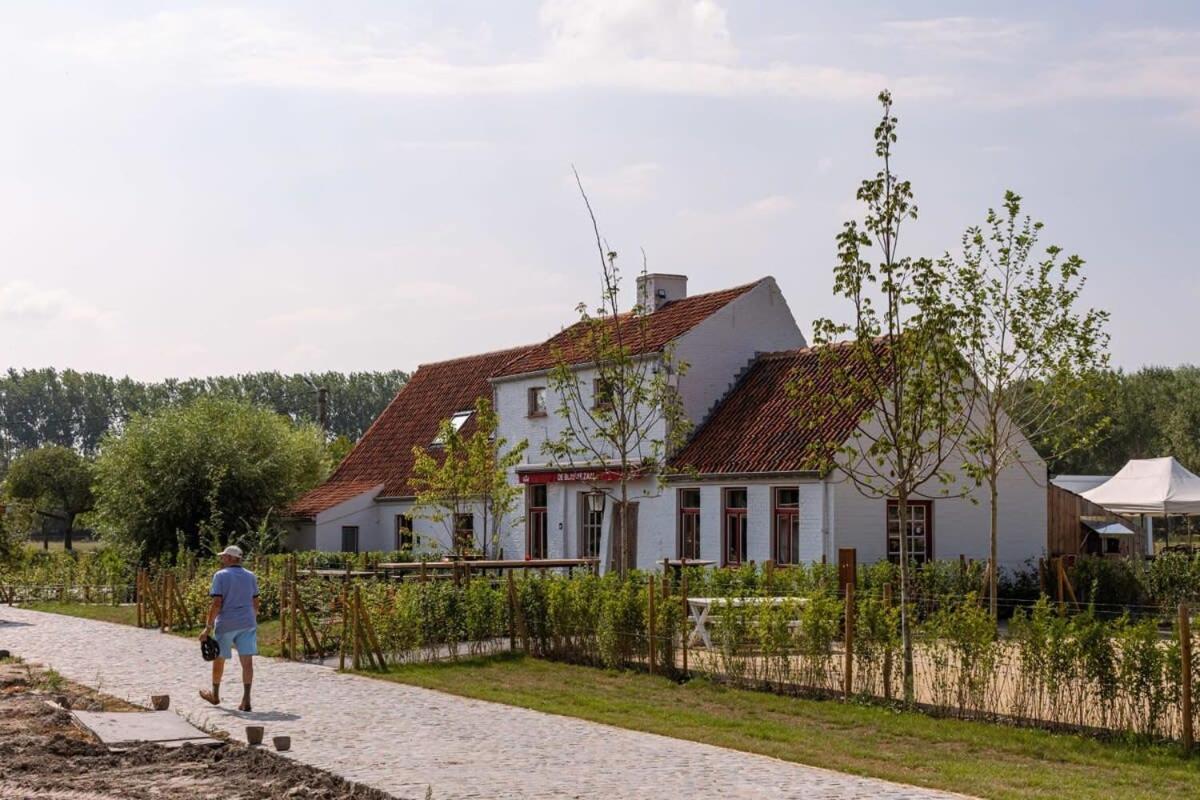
(974, 758)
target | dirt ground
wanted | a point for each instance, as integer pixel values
(44, 755)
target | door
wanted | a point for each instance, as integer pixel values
(626, 556)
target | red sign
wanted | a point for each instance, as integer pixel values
(571, 476)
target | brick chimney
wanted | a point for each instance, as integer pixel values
(655, 289)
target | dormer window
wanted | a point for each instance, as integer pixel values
(457, 420)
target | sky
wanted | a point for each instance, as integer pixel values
(197, 189)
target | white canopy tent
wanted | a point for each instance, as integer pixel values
(1158, 486)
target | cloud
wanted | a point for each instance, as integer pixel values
(21, 301)
(975, 38)
(770, 206)
(673, 30)
(662, 46)
(629, 182)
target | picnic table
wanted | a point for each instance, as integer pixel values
(699, 609)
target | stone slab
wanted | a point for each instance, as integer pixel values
(127, 728)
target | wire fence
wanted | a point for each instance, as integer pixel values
(1104, 668)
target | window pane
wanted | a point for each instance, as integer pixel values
(787, 498)
(735, 498)
(689, 498)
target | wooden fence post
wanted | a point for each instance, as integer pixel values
(887, 651)
(345, 630)
(1061, 576)
(512, 613)
(293, 612)
(650, 620)
(355, 640)
(1185, 682)
(847, 567)
(683, 590)
(848, 672)
(283, 615)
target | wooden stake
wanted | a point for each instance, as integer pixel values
(354, 633)
(1185, 682)
(292, 608)
(887, 651)
(345, 631)
(848, 672)
(1061, 576)
(650, 619)
(512, 614)
(683, 590)
(372, 642)
(140, 600)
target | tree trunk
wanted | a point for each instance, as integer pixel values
(70, 526)
(623, 567)
(993, 569)
(905, 628)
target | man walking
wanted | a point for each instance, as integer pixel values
(233, 620)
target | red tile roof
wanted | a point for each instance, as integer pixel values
(758, 426)
(384, 454)
(669, 322)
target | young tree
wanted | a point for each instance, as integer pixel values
(193, 472)
(617, 397)
(57, 481)
(460, 472)
(899, 376)
(1033, 354)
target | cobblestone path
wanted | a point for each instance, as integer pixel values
(402, 738)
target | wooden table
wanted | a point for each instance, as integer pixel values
(335, 573)
(699, 609)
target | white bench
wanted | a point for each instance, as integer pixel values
(699, 609)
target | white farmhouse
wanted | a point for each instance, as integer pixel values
(743, 488)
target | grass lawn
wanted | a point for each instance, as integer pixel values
(974, 758)
(268, 629)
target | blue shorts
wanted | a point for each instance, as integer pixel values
(245, 640)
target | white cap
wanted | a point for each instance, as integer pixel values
(233, 551)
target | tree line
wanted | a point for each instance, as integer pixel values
(1151, 412)
(67, 408)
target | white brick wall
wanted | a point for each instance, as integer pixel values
(718, 348)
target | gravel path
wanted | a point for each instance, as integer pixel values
(402, 738)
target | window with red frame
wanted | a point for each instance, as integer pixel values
(733, 533)
(786, 534)
(591, 524)
(688, 545)
(535, 527)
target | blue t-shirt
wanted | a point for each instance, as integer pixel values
(237, 587)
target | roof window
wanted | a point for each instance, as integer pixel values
(457, 420)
